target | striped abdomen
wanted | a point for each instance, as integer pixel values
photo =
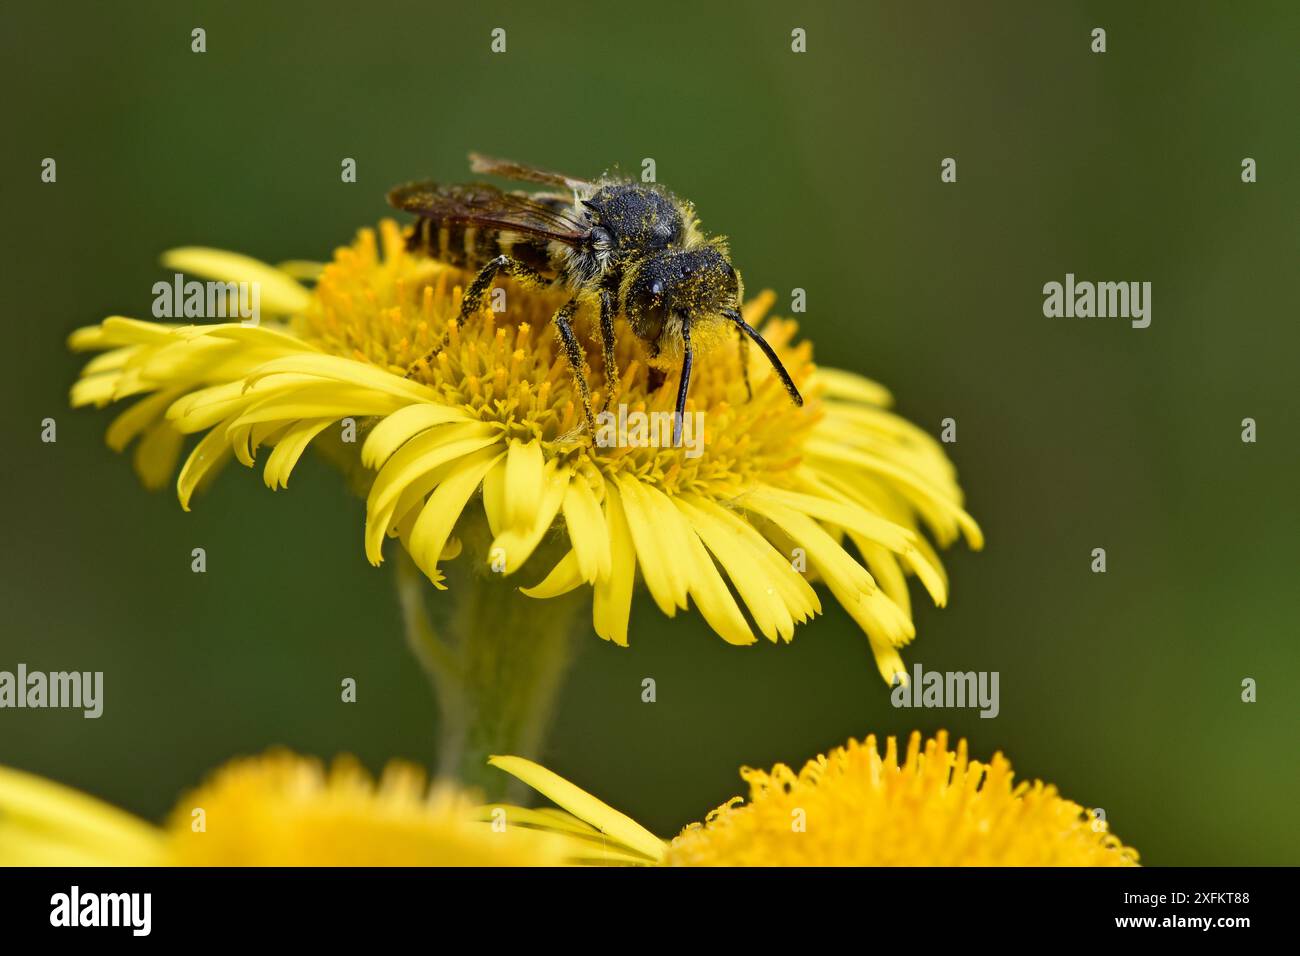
(469, 246)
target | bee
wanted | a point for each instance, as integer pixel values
(616, 245)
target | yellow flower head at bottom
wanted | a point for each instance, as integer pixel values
(855, 807)
(279, 809)
(286, 810)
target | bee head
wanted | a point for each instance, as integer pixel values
(685, 284)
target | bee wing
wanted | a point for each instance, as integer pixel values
(522, 172)
(483, 205)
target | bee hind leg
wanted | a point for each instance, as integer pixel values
(473, 298)
(519, 271)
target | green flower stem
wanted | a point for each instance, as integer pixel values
(496, 659)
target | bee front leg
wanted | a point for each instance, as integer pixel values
(563, 320)
(607, 310)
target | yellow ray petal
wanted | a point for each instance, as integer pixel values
(658, 548)
(851, 583)
(156, 454)
(612, 601)
(287, 451)
(267, 339)
(137, 418)
(339, 369)
(320, 401)
(106, 362)
(494, 498)
(43, 823)
(524, 481)
(515, 545)
(422, 454)
(790, 586)
(866, 528)
(119, 330)
(885, 568)
(841, 384)
(279, 294)
(98, 390)
(848, 516)
(587, 532)
(403, 425)
(942, 512)
(746, 572)
(209, 454)
(438, 517)
(588, 846)
(562, 579)
(583, 805)
(888, 662)
(711, 594)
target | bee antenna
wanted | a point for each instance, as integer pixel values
(683, 386)
(747, 329)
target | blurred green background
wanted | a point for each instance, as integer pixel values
(1123, 688)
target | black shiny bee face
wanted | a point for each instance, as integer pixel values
(690, 283)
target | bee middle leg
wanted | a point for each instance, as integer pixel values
(563, 320)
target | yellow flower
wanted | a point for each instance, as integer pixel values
(774, 491)
(276, 810)
(853, 807)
